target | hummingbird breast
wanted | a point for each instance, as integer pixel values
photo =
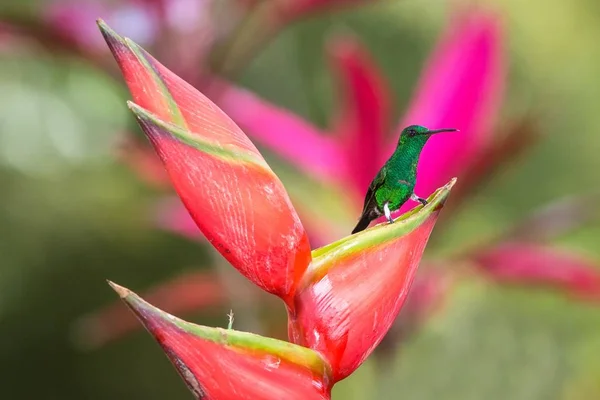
(396, 189)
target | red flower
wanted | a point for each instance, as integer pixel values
(341, 299)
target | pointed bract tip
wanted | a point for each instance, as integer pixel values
(442, 193)
(133, 107)
(110, 36)
(121, 291)
(104, 28)
(148, 119)
(140, 113)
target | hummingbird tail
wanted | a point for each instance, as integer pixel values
(363, 223)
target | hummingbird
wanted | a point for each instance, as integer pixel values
(395, 181)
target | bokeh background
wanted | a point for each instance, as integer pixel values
(73, 213)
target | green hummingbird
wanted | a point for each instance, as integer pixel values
(395, 181)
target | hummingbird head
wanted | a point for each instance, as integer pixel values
(418, 130)
(415, 136)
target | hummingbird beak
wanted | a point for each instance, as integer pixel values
(431, 132)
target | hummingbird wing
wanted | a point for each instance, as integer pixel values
(370, 209)
(370, 200)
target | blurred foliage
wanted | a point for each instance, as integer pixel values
(71, 216)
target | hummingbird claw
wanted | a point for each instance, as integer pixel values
(421, 200)
(388, 213)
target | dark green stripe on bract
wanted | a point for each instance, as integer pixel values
(150, 121)
(243, 341)
(115, 42)
(382, 233)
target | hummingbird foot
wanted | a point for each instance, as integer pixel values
(387, 212)
(421, 200)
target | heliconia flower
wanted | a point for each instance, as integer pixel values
(342, 298)
(538, 265)
(191, 291)
(227, 364)
(356, 286)
(238, 203)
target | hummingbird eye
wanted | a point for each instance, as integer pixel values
(412, 132)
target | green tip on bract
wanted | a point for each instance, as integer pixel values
(121, 291)
(107, 30)
(384, 232)
(111, 37)
(153, 126)
(138, 111)
(148, 119)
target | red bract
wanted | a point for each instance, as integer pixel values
(534, 264)
(355, 288)
(340, 307)
(231, 193)
(224, 364)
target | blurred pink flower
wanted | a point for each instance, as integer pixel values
(75, 20)
(538, 265)
(172, 216)
(461, 88)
